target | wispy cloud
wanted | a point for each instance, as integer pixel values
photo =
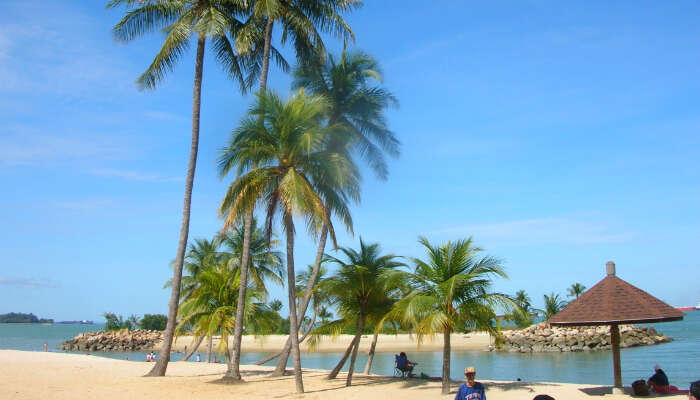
(547, 230)
(164, 116)
(88, 204)
(28, 283)
(26, 147)
(132, 175)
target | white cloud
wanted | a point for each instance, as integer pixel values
(85, 204)
(547, 230)
(27, 283)
(26, 147)
(132, 175)
(164, 116)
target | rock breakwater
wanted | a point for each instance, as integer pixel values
(123, 340)
(545, 338)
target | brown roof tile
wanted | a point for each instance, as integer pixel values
(613, 300)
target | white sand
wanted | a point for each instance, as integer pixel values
(37, 375)
(385, 343)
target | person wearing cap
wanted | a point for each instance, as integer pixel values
(471, 390)
(659, 381)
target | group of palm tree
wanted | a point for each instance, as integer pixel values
(291, 160)
(524, 315)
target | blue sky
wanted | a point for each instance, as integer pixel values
(559, 135)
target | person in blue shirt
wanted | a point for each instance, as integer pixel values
(472, 390)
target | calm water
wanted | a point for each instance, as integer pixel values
(680, 358)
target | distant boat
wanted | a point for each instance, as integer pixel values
(686, 308)
(698, 306)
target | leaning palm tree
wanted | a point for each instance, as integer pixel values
(286, 143)
(302, 21)
(361, 289)
(182, 21)
(553, 303)
(576, 290)
(452, 290)
(351, 85)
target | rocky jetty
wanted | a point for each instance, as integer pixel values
(545, 338)
(122, 340)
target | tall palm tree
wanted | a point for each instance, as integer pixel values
(362, 290)
(452, 290)
(351, 85)
(302, 21)
(553, 303)
(182, 21)
(286, 143)
(576, 290)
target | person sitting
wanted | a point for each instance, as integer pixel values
(694, 391)
(659, 381)
(404, 364)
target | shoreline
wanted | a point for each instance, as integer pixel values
(385, 343)
(31, 375)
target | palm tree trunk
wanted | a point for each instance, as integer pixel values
(358, 336)
(233, 371)
(211, 340)
(266, 54)
(334, 372)
(446, 362)
(195, 346)
(301, 340)
(291, 289)
(284, 354)
(370, 356)
(164, 356)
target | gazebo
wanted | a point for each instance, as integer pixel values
(613, 301)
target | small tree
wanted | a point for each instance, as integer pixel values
(552, 305)
(576, 290)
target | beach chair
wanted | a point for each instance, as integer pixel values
(400, 371)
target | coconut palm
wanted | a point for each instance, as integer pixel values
(452, 289)
(553, 303)
(182, 21)
(210, 308)
(265, 264)
(361, 290)
(286, 143)
(357, 102)
(576, 290)
(522, 314)
(302, 21)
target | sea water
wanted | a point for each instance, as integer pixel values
(680, 358)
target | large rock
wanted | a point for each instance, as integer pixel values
(543, 338)
(122, 340)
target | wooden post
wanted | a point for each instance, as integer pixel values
(615, 343)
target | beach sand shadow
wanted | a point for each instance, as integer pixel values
(605, 390)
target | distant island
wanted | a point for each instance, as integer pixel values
(21, 318)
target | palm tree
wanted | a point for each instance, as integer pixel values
(522, 314)
(576, 290)
(361, 289)
(452, 289)
(286, 142)
(210, 309)
(357, 102)
(302, 21)
(552, 305)
(265, 264)
(181, 21)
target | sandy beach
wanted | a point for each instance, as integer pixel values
(385, 343)
(37, 375)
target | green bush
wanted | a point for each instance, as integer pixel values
(155, 322)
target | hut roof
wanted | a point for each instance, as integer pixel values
(614, 301)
